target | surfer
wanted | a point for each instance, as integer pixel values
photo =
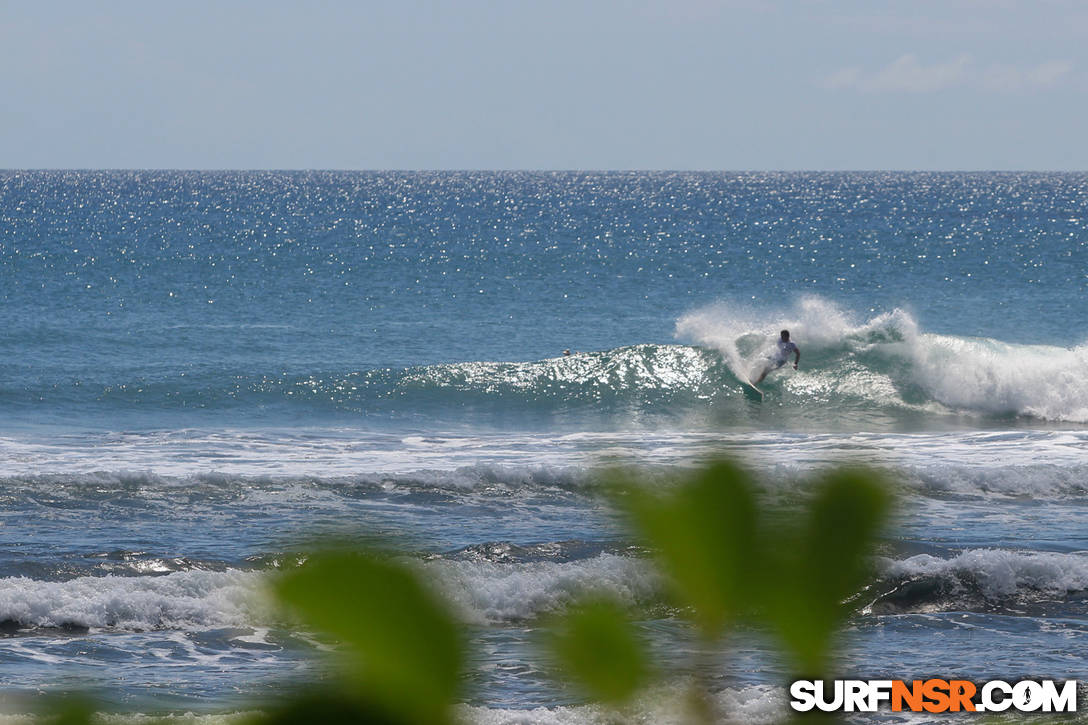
(781, 355)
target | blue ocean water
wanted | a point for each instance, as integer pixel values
(203, 369)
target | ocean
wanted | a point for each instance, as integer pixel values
(204, 370)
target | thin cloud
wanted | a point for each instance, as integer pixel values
(1010, 78)
(907, 74)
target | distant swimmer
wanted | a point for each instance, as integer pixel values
(781, 355)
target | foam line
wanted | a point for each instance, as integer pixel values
(182, 600)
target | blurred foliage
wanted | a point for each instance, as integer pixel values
(401, 648)
(597, 649)
(706, 538)
(727, 556)
(68, 709)
(819, 561)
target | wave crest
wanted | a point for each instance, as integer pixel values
(181, 600)
(982, 580)
(887, 362)
(855, 373)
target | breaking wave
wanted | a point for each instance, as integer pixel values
(888, 363)
(853, 372)
(482, 591)
(995, 580)
(492, 592)
(180, 600)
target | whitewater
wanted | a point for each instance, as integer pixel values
(205, 371)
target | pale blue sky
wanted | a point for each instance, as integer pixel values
(563, 84)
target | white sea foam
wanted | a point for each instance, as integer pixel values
(181, 600)
(109, 718)
(480, 591)
(885, 359)
(317, 467)
(488, 592)
(1039, 481)
(754, 705)
(995, 377)
(1001, 573)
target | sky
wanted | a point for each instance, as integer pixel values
(555, 84)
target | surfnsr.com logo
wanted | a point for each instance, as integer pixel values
(934, 695)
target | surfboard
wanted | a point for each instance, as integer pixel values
(751, 391)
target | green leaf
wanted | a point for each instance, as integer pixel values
(598, 650)
(327, 707)
(823, 561)
(401, 646)
(72, 708)
(706, 537)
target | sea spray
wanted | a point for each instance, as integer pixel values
(888, 361)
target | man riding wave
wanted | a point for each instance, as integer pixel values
(781, 354)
